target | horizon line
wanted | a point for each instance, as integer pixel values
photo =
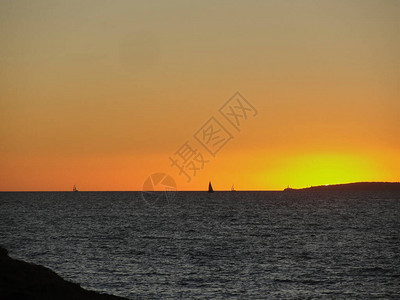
(205, 190)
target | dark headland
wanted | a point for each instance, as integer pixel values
(22, 280)
(356, 186)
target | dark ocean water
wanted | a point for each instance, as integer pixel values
(226, 245)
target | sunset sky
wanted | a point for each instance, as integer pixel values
(102, 94)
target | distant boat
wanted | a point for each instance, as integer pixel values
(233, 189)
(74, 189)
(210, 189)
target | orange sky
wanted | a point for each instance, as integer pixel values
(101, 93)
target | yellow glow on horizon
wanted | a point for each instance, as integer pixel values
(103, 101)
(326, 168)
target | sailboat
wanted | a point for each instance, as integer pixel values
(74, 189)
(210, 189)
(233, 189)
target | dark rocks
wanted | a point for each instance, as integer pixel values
(22, 280)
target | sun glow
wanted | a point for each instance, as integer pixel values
(324, 169)
(138, 80)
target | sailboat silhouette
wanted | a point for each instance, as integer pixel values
(210, 189)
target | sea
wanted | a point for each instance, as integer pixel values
(221, 245)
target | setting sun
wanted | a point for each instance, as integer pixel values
(107, 102)
(320, 169)
(199, 149)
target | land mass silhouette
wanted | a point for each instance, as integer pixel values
(355, 186)
(22, 280)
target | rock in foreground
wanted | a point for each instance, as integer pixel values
(22, 280)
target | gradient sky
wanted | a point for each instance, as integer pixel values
(101, 93)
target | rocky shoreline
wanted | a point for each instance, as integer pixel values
(22, 280)
(355, 186)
